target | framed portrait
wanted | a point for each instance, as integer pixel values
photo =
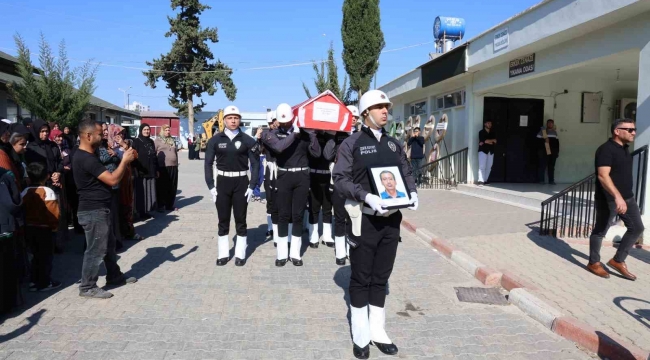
(388, 183)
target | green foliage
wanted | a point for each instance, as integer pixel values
(330, 80)
(53, 92)
(363, 41)
(188, 69)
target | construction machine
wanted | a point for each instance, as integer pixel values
(208, 127)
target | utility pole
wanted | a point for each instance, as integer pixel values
(126, 96)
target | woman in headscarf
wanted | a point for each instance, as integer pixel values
(197, 148)
(190, 148)
(167, 155)
(146, 172)
(68, 136)
(13, 137)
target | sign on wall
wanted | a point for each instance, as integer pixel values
(522, 65)
(501, 40)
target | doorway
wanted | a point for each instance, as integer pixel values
(516, 123)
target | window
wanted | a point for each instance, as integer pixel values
(418, 108)
(92, 116)
(451, 100)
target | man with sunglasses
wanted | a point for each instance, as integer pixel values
(614, 196)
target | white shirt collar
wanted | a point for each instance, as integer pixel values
(377, 133)
(231, 133)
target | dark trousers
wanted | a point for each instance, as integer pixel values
(271, 195)
(166, 187)
(320, 198)
(41, 240)
(546, 162)
(372, 261)
(416, 164)
(340, 215)
(293, 192)
(115, 216)
(605, 213)
(230, 197)
(100, 246)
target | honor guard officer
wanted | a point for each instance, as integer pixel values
(233, 191)
(373, 231)
(320, 197)
(270, 175)
(291, 146)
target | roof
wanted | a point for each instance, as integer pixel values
(158, 114)
(8, 78)
(106, 105)
(4, 55)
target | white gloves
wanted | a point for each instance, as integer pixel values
(376, 203)
(414, 201)
(213, 192)
(249, 194)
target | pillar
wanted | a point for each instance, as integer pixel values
(643, 124)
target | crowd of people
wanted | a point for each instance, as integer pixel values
(42, 199)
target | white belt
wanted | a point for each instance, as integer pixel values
(369, 211)
(315, 171)
(293, 169)
(232, 173)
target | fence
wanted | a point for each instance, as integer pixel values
(446, 172)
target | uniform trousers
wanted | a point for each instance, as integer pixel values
(271, 195)
(230, 197)
(373, 259)
(340, 215)
(320, 198)
(292, 195)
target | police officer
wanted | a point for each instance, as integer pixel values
(291, 146)
(233, 191)
(270, 175)
(373, 231)
(320, 198)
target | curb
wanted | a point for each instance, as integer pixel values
(569, 328)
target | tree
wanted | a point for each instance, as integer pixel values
(187, 68)
(53, 92)
(331, 81)
(363, 41)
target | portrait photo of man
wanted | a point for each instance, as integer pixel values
(389, 183)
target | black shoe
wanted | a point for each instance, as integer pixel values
(361, 353)
(340, 261)
(296, 262)
(313, 245)
(122, 280)
(280, 263)
(275, 244)
(222, 261)
(240, 262)
(388, 349)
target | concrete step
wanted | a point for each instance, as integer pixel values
(530, 200)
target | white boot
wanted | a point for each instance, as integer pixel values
(275, 234)
(296, 243)
(360, 326)
(377, 322)
(223, 247)
(240, 247)
(327, 234)
(283, 248)
(313, 233)
(339, 247)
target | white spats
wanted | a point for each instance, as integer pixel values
(360, 326)
(223, 247)
(240, 247)
(327, 233)
(377, 322)
(269, 222)
(296, 243)
(283, 248)
(313, 233)
(275, 233)
(339, 247)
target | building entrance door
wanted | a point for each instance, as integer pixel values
(516, 123)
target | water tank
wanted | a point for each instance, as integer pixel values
(449, 27)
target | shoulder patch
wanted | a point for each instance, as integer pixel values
(392, 146)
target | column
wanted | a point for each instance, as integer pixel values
(643, 124)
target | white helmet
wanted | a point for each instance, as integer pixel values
(273, 117)
(231, 110)
(269, 117)
(354, 110)
(283, 113)
(372, 98)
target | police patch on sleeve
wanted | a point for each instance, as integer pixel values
(392, 146)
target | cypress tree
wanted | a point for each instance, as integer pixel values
(331, 82)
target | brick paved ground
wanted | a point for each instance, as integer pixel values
(497, 235)
(184, 307)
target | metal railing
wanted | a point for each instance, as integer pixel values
(446, 172)
(572, 211)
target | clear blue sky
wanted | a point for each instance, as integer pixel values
(253, 33)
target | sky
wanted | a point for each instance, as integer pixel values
(121, 35)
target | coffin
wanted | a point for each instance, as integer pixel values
(323, 112)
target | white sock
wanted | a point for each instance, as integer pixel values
(347, 249)
(240, 247)
(275, 233)
(339, 247)
(360, 326)
(269, 222)
(377, 322)
(223, 247)
(283, 248)
(327, 232)
(313, 233)
(294, 251)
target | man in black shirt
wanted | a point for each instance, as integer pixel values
(233, 150)
(94, 183)
(614, 196)
(416, 144)
(486, 141)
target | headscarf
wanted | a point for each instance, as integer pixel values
(54, 133)
(142, 126)
(169, 140)
(36, 130)
(4, 128)
(46, 144)
(113, 131)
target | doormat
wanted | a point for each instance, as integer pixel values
(488, 296)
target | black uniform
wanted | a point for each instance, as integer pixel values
(338, 202)
(319, 183)
(270, 186)
(291, 151)
(372, 260)
(232, 158)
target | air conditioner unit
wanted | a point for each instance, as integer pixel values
(626, 109)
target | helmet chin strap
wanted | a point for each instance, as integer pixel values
(373, 121)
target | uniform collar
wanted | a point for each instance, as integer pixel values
(374, 133)
(226, 131)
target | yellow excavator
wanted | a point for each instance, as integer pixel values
(208, 125)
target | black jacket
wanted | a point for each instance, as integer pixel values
(10, 205)
(232, 155)
(146, 164)
(44, 151)
(417, 147)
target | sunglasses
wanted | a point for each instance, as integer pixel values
(630, 130)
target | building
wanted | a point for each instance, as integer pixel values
(136, 106)
(98, 110)
(156, 119)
